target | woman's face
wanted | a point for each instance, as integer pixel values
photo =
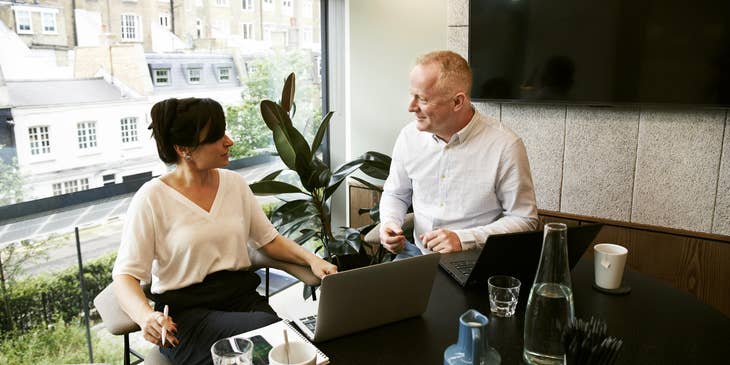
(212, 155)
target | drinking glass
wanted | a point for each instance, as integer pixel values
(503, 294)
(232, 351)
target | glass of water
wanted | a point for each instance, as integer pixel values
(503, 294)
(232, 351)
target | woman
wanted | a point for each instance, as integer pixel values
(186, 232)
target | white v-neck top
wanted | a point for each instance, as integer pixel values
(175, 243)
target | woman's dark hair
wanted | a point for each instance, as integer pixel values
(181, 121)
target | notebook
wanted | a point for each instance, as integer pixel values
(359, 299)
(514, 254)
(265, 338)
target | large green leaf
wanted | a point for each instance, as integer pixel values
(273, 116)
(272, 187)
(290, 211)
(320, 132)
(271, 176)
(367, 184)
(318, 175)
(287, 93)
(376, 165)
(340, 174)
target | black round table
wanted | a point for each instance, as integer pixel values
(658, 324)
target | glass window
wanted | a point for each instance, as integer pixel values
(23, 21)
(224, 74)
(86, 132)
(247, 5)
(130, 27)
(70, 186)
(247, 31)
(162, 76)
(194, 75)
(129, 129)
(48, 20)
(40, 143)
(268, 5)
(287, 8)
(165, 20)
(221, 2)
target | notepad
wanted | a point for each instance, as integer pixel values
(274, 335)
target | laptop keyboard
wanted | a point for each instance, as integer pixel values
(464, 266)
(310, 322)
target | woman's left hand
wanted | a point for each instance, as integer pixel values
(321, 268)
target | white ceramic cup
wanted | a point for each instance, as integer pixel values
(609, 261)
(300, 353)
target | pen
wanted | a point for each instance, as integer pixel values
(164, 329)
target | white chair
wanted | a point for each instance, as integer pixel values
(117, 322)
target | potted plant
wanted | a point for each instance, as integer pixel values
(305, 214)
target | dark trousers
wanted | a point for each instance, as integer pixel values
(224, 304)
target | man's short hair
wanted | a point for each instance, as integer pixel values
(455, 72)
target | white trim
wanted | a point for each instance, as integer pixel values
(18, 23)
(43, 24)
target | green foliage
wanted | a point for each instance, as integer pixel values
(59, 343)
(37, 302)
(11, 183)
(306, 216)
(244, 122)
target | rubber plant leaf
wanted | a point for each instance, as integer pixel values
(273, 187)
(321, 132)
(287, 93)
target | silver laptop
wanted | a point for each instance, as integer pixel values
(359, 299)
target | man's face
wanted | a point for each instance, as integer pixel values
(431, 104)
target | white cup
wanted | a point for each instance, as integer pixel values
(300, 353)
(609, 261)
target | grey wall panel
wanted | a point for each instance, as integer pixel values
(600, 156)
(542, 128)
(721, 221)
(677, 168)
(457, 40)
(489, 109)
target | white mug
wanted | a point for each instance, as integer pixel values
(609, 262)
(300, 353)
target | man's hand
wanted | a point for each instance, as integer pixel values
(392, 238)
(441, 240)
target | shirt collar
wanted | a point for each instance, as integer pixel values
(463, 134)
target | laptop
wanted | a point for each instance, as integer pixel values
(359, 299)
(514, 254)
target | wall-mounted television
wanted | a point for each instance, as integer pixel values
(601, 52)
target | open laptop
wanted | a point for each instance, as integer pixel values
(367, 297)
(514, 254)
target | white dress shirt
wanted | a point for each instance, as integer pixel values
(477, 184)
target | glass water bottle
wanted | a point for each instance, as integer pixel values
(550, 305)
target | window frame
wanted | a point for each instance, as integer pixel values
(156, 77)
(247, 5)
(44, 17)
(247, 31)
(126, 28)
(90, 140)
(19, 24)
(42, 150)
(130, 135)
(189, 76)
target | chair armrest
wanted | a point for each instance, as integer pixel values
(304, 273)
(116, 321)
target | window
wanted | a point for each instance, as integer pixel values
(48, 21)
(268, 29)
(23, 22)
(199, 28)
(109, 179)
(224, 74)
(161, 76)
(247, 31)
(130, 27)
(287, 8)
(165, 20)
(40, 143)
(221, 2)
(194, 75)
(129, 129)
(268, 4)
(219, 29)
(308, 8)
(86, 132)
(70, 186)
(247, 5)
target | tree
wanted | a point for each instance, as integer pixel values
(248, 130)
(11, 182)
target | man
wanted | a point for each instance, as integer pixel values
(466, 175)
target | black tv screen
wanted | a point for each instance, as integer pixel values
(603, 52)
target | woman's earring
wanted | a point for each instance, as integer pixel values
(188, 157)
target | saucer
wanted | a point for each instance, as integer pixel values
(621, 290)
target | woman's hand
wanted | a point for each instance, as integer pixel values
(321, 268)
(152, 329)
